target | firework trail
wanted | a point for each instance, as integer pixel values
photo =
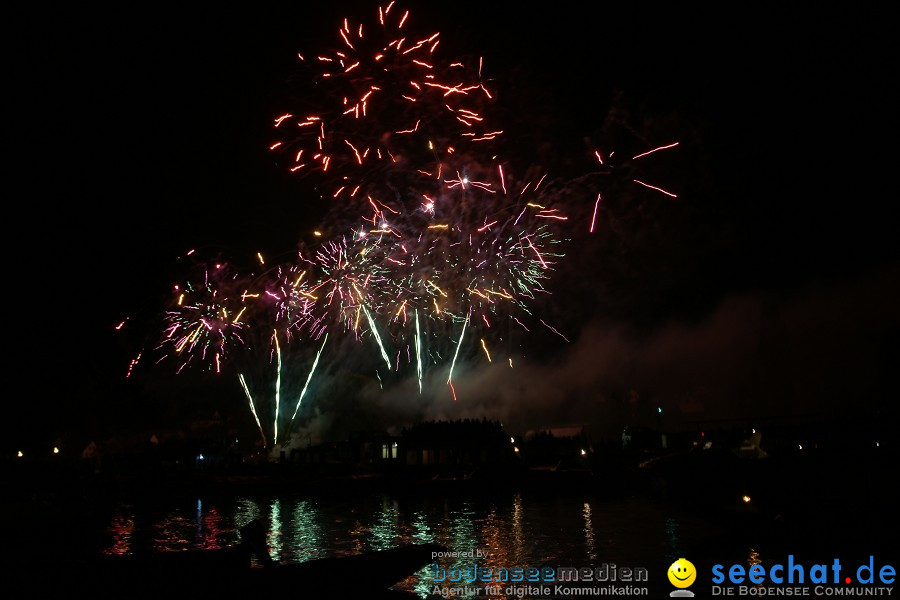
(252, 407)
(312, 370)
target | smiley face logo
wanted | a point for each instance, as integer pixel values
(682, 573)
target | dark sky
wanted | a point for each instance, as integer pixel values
(139, 132)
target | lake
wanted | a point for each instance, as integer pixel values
(503, 529)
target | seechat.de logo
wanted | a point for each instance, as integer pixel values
(682, 574)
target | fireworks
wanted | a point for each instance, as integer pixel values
(385, 117)
(206, 321)
(448, 251)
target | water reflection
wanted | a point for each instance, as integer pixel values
(511, 531)
(673, 549)
(422, 532)
(589, 533)
(384, 533)
(460, 529)
(173, 532)
(307, 539)
(273, 539)
(209, 530)
(517, 526)
(753, 558)
(122, 530)
(246, 510)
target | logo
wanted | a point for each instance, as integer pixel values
(682, 574)
(792, 578)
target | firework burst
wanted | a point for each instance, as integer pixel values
(384, 115)
(206, 321)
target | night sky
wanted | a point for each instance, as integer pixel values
(768, 287)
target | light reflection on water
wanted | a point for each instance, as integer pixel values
(386, 530)
(273, 539)
(589, 532)
(308, 538)
(121, 530)
(515, 530)
(209, 532)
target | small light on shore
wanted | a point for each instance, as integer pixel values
(20, 454)
(746, 499)
(55, 450)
